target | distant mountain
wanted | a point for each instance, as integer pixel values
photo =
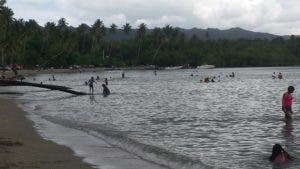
(203, 34)
(229, 34)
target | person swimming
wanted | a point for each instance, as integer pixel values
(279, 155)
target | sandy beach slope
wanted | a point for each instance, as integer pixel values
(22, 147)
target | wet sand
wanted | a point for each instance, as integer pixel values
(22, 147)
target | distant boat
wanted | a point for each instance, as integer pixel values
(173, 68)
(206, 67)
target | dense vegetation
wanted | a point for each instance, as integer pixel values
(57, 45)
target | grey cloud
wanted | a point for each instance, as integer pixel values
(273, 16)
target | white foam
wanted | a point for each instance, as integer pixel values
(93, 150)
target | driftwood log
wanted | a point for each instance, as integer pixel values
(46, 86)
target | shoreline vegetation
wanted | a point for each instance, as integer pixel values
(22, 147)
(57, 45)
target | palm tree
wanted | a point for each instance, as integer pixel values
(18, 41)
(2, 2)
(6, 20)
(112, 30)
(98, 31)
(140, 36)
(84, 38)
(158, 36)
(126, 28)
(49, 30)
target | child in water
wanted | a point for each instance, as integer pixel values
(105, 90)
(279, 155)
(287, 100)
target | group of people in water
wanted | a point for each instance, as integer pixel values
(105, 89)
(214, 78)
(279, 155)
(279, 76)
(91, 81)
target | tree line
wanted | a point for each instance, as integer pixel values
(60, 45)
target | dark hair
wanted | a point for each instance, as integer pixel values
(277, 149)
(291, 88)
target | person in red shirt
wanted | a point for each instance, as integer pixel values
(279, 155)
(287, 101)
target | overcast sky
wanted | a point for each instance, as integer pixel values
(281, 17)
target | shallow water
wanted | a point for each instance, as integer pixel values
(228, 124)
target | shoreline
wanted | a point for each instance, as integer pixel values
(30, 72)
(22, 147)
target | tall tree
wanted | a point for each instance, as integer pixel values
(126, 28)
(112, 30)
(18, 39)
(98, 31)
(140, 36)
(6, 19)
(84, 39)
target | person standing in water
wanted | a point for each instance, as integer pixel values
(287, 101)
(279, 75)
(123, 74)
(273, 75)
(91, 84)
(106, 81)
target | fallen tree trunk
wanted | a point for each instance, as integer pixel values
(46, 86)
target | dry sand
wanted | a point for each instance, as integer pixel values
(22, 147)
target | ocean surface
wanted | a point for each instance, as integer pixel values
(171, 118)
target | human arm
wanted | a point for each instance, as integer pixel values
(289, 157)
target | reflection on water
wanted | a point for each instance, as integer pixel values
(232, 123)
(288, 130)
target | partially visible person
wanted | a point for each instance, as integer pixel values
(273, 75)
(206, 80)
(287, 101)
(279, 155)
(105, 90)
(106, 81)
(232, 75)
(279, 75)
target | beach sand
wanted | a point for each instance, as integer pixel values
(22, 147)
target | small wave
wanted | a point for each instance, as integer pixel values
(146, 152)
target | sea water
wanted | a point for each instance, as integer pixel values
(171, 118)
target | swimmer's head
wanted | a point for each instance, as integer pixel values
(291, 89)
